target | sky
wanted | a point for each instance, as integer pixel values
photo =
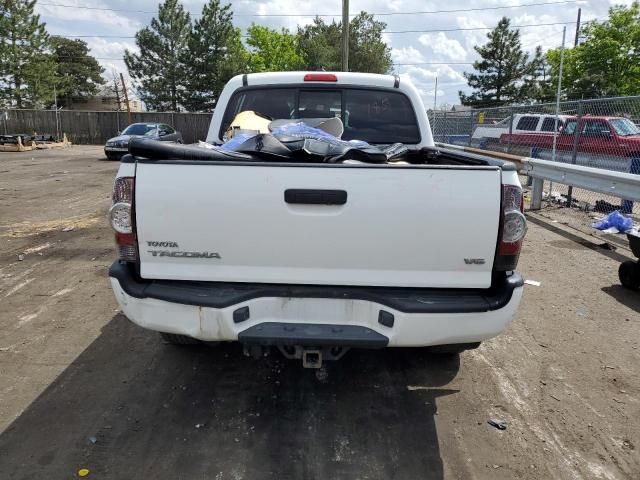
(441, 48)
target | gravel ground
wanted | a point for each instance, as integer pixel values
(81, 387)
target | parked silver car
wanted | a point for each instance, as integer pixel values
(118, 146)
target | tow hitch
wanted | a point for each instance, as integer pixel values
(312, 359)
(312, 343)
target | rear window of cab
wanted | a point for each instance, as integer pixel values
(373, 115)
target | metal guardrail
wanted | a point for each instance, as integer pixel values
(616, 184)
(609, 182)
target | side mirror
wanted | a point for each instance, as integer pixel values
(162, 133)
(119, 132)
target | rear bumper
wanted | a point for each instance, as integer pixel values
(394, 316)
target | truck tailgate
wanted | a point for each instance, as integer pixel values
(390, 226)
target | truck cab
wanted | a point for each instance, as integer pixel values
(602, 135)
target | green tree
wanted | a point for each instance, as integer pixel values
(27, 69)
(217, 55)
(78, 74)
(607, 62)
(320, 44)
(159, 69)
(273, 51)
(367, 50)
(505, 74)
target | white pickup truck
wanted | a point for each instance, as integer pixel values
(522, 123)
(317, 257)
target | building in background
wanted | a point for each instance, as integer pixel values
(106, 100)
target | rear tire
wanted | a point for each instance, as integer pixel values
(175, 339)
(629, 274)
(452, 349)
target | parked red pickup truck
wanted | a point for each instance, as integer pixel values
(616, 136)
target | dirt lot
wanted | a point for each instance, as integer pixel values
(81, 387)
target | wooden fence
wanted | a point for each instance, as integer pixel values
(95, 128)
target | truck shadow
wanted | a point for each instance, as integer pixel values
(601, 247)
(130, 406)
(625, 296)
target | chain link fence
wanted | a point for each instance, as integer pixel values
(601, 133)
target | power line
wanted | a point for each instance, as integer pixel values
(458, 10)
(92, 36)
(395, 63)
(380, 14)
(432, 63)
(458, 29)
(477, 28)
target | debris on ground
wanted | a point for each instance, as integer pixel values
(562, 199)
(613, 223)
(68, 229)
(534, 283)
(499, 424)
(199, 425)
(93, 439)
(604, 206)
(83, 472)
(21, 257)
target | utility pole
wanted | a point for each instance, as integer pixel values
(435, 100)
(117, 92)
(126, 97)
(573, 159)
(55, 105)
(577, 39)
(345, 35)
(555, 130)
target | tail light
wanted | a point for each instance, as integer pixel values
(122, 218)
(513, 227)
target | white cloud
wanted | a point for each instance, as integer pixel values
(443, 45)
(407, 55)
(472, 37)
(449, 82)
(111, 48)
(100, 17)
(395, 5)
